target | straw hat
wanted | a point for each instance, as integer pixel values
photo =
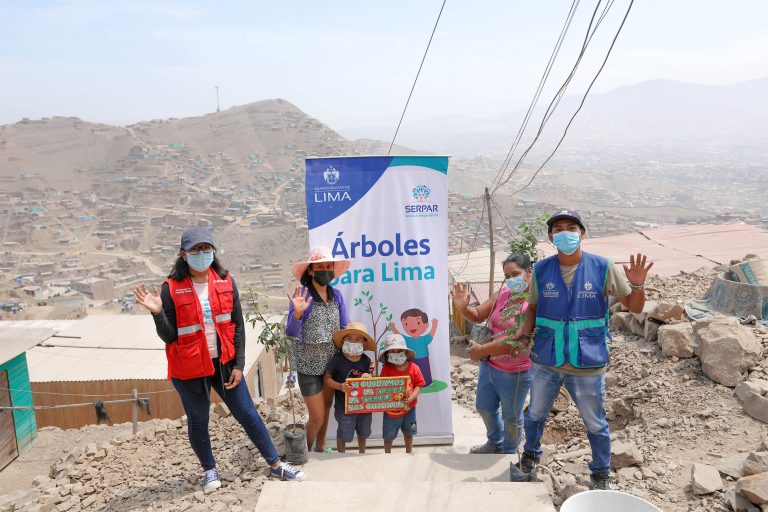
(320, 255)
(395, 341)
(354, 328)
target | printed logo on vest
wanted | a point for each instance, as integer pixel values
(183, 290)
(549, 291)
(587, 293)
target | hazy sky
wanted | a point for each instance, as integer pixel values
(348, 63)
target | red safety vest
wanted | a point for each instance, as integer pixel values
(188, 356)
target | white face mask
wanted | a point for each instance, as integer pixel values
(397, 358)
(351, 348)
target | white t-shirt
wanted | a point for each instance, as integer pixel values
(210, 327)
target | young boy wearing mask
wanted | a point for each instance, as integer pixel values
(349, 363)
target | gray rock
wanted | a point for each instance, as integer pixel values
(756, 406)
(726, 349)
(739, 503)
(651, 330)
(621, 321)
(757, 462)
(666, 312)
(705, 479)
(676, 340)
(625, 454)
(754, 488)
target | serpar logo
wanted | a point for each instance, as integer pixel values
(331, 176)
(549, 291)
(421, 193)
(421, 208)
(588, 285)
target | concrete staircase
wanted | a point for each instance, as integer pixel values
(399, 482)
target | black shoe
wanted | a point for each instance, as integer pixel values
(528, 462)
(601, 481)
(526, 470)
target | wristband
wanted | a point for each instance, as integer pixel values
(637, 286)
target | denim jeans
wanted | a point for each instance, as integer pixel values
(499, 388)
(196, 399)
(588, 393)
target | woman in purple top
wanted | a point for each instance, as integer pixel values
(315, 312)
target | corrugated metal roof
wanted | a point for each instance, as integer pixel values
(17, 340)
(111, 347)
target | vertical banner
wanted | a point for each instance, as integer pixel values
(389, 217)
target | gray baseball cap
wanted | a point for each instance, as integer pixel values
(194, 236)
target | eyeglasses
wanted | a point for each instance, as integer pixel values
(195, 250)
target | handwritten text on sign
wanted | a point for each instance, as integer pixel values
(375, 394)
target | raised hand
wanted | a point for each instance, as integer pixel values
(637, 271)
(300, 301)
(150, 300)
(460, 296)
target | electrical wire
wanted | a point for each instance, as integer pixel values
(581, 104)
(474, 240)
(539, 89)
(561, 91)
(417, 77)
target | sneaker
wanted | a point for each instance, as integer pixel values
(601, 481)
(528, 462)
(484, 448)
(211, 480)
(286, 472)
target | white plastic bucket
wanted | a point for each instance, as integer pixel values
(607, 501)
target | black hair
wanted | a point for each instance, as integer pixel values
(522, 260)
(180, 268)
(307, 281)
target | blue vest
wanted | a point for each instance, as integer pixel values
(571, 324)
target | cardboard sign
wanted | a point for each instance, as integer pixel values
(376, 394)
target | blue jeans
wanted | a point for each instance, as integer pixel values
(499, 388)
(196, 398)
(406, 423)
(588, 393)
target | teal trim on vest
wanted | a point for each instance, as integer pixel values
(578, 330)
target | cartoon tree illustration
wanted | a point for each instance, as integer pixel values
(366, 301)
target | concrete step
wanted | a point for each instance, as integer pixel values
(404, 467)
(405, 495)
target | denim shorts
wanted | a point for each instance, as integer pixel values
(406, 423)
(309, 384)
(351, 423)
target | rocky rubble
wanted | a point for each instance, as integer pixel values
(157, 470)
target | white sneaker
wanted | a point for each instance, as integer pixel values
(212, 480)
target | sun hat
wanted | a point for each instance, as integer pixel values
(196, 235)
(395, 341)
(354, 328)
(320, 254)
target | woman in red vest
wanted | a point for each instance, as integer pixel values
(198, 315)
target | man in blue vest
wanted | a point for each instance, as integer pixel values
(568, 323)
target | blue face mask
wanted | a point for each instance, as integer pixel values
(516, 284)
(567, 241)
(200, 261)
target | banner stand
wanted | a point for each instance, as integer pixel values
(388, 215)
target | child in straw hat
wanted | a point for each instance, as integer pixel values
(350, 363)
(397, 360)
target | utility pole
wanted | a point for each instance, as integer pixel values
(490, 232)
(218, 109)
(135, 410)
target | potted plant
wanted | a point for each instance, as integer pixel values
(275, 340)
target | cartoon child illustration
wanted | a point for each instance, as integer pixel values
(415, 324)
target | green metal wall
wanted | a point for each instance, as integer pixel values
(21, 394)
